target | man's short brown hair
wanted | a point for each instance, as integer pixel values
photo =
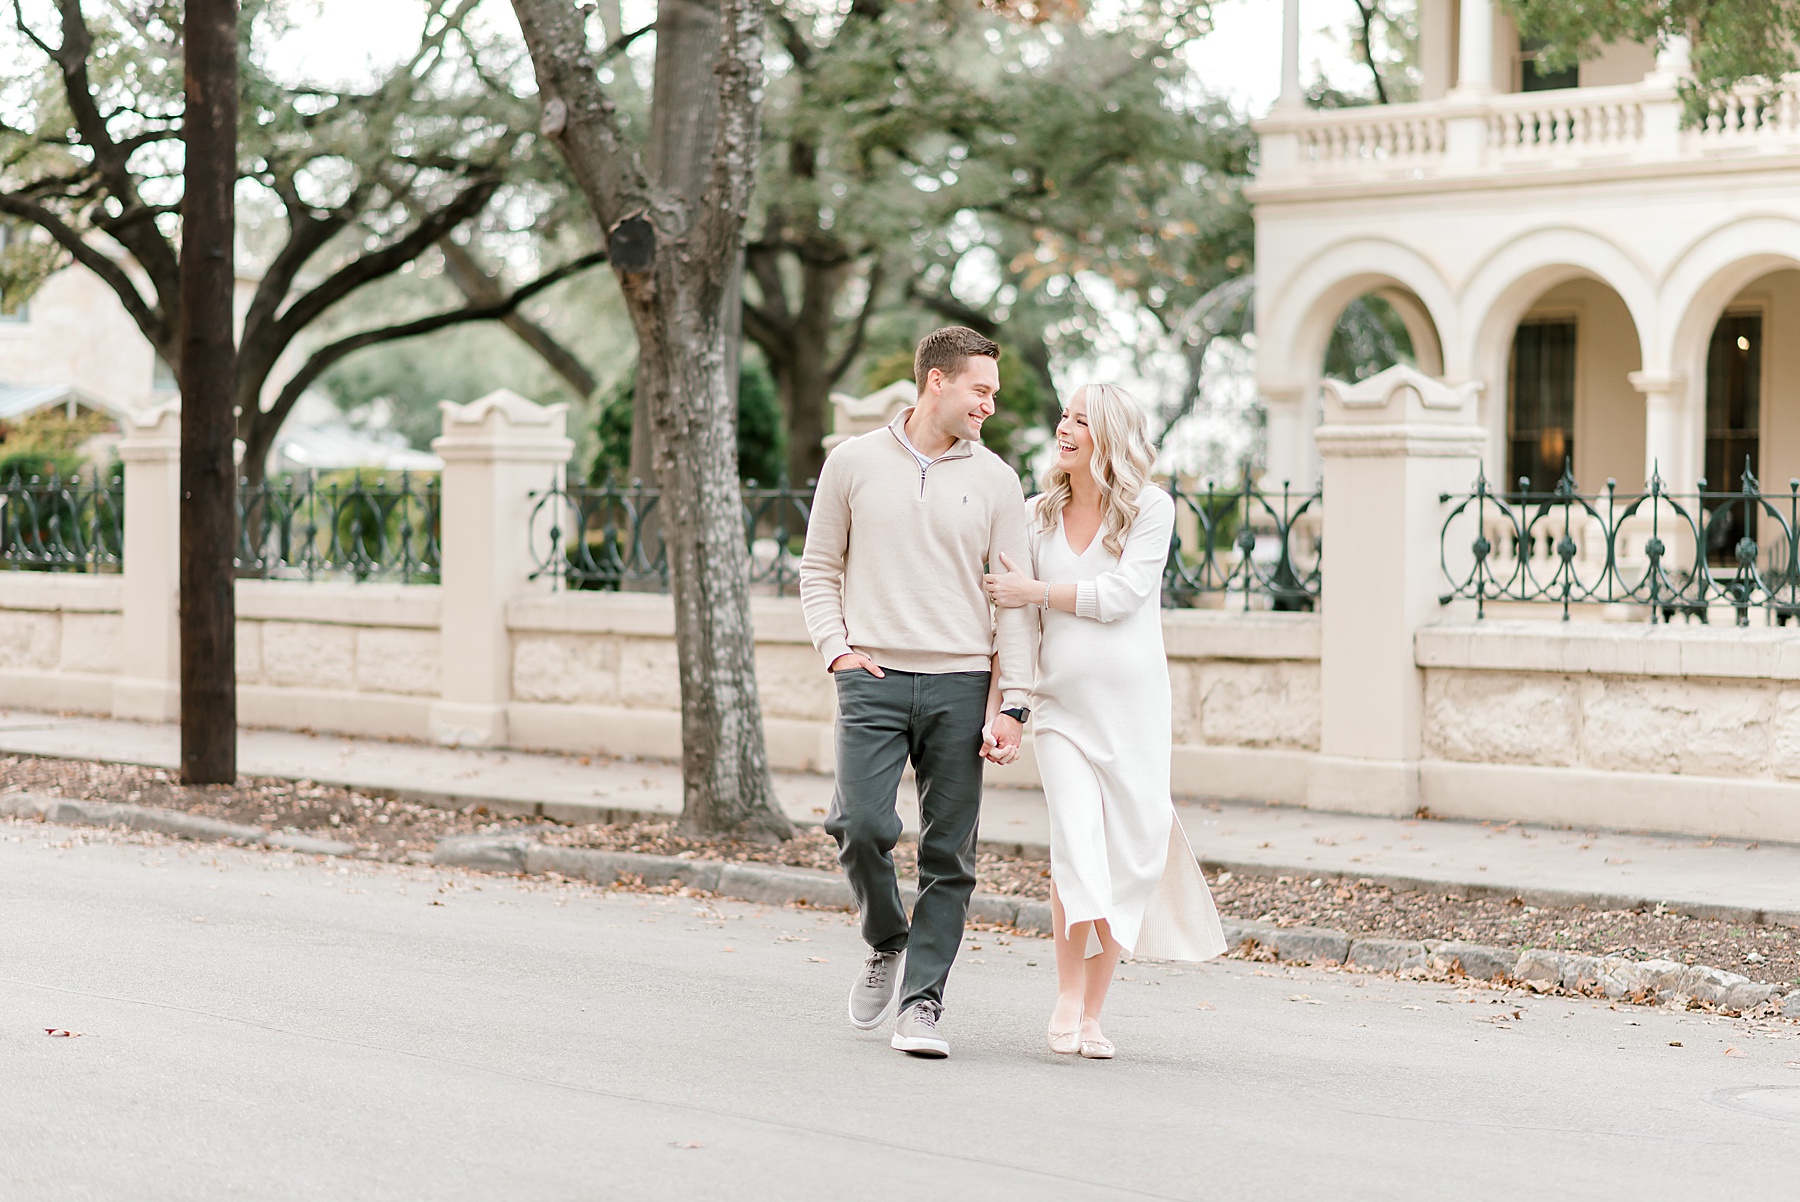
(949, 350)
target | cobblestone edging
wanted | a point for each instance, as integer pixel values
(167, 822)
(1599, 976)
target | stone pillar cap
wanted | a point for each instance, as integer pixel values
(1401, 395)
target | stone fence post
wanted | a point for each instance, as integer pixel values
(496, 451)
(1391, 446)
(148, 686)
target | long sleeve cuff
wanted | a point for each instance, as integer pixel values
(834, 647)
(1012, 698)
(1087, 600)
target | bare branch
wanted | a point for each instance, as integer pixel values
(854, 346)
(622, 43)
(269, 420)
(150, 322)
(481, 288)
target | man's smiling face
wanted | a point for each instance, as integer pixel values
(967, 399)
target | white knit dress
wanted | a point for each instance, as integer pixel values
(1101, 717)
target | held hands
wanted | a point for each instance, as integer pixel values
(1013, 588)
(1001, 739)
(852, 662)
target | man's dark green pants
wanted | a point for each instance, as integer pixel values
(933, 719)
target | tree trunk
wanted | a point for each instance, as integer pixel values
(208, 389)
(674, 239)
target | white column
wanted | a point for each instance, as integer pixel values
(1391, 445)
(1284, 456)
(148, 687)
(1666, 437)
(496, 452)
(1475, 49)
(1291, 95)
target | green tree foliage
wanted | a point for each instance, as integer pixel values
(340, 187)
(929, 163)
(1731, 40)
(761, 436)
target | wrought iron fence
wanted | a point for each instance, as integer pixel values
(344, 525)
(1673, 554)
(1245, 545)
(610, 535)
(53, 524)
(1229, 544)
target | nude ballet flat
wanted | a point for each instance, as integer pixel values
(1097, 1049)
(1065, 1043)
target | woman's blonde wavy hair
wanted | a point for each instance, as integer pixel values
(1121, 464)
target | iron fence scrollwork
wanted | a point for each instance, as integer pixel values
(57, 524)
(1244, 544)
(1673, 554)
(610, 535)
(1229, 545)
(344, 525)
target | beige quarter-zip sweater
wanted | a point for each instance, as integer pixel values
(894, 557)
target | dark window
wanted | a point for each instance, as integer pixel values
(1534, 79)
(1540, 405)
(1733, 425)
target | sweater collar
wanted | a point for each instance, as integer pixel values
(962, 448)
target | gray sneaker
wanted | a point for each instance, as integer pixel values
(876, 989)
(916, 1032)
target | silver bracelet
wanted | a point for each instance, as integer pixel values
(1046, 594)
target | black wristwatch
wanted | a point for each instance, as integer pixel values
(1018, 713)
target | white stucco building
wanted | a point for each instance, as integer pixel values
(1622, 287)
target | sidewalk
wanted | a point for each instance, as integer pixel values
(1544, 866)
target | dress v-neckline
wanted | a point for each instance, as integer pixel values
(1062, 528)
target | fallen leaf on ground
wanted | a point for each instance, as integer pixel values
(1204, 1006)
(1412, 1007)
(59, 1033)
(685, 1143)
(809, 959)
(729, 949)
(1735, 1052)
(1301, 997)
(1675, 1043)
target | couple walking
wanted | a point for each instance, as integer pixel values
(950, 612)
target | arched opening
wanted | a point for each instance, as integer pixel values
(1743, 352)
(1382, 327)
(1569, 403)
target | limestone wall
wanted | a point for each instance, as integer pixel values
(59, 640)
(597, 672)
(343, 658)
(1686, 728)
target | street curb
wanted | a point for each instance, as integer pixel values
(167, 822)
(572, 812)
(1611, 977)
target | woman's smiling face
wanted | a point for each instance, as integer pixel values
(1074, 441)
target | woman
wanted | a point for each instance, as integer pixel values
(1123, 879)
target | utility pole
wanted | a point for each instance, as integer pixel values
(208, 383)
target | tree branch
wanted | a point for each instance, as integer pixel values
(854, 346)
(390, 258)
(482, 288)
(719, 225)
(149, 321)
(576, 112)
(319, 361)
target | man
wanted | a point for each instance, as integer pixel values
(902, 522)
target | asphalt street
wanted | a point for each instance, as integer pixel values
(260, 1025)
